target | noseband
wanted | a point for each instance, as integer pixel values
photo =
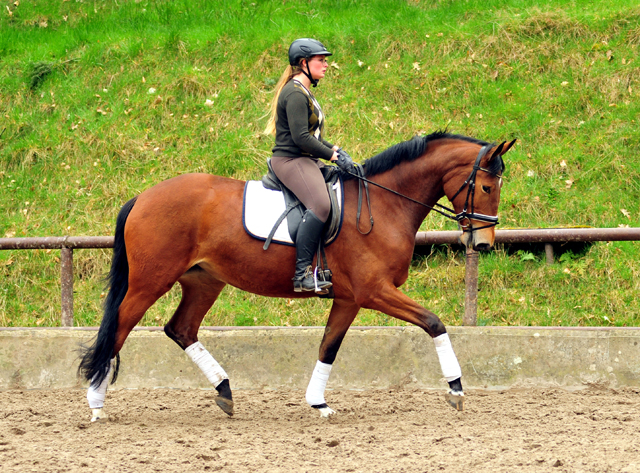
(446, 211)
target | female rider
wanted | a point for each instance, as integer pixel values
(297, 122)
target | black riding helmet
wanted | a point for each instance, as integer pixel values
(306, 48)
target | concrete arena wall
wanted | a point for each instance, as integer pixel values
(380, 357)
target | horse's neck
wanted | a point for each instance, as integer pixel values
(419, 180)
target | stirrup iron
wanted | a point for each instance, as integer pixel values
(319, 286)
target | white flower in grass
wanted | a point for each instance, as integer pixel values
(208, 103)
(530, 173)
(416, 66)
(360, 63)
(151, 90)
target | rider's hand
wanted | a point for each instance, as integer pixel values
(344, 161)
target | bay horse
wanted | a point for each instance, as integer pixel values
(188, 229)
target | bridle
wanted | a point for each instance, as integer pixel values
(471, 189)
(470, 182)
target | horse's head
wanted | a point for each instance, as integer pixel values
(475, 194)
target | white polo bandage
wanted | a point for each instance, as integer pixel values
(96, 396)
(448, 361)
(318, 383)
(209, 366)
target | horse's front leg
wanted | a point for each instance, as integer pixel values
(340, 319)
(394, 303)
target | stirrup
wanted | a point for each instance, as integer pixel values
(310, 282)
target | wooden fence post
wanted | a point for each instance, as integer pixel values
(66, 278)
(471, 288)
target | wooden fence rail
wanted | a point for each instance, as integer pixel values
(548, 236)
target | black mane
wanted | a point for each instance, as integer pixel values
(412, 149)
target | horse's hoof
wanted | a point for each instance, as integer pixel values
(326, 412)
(455, 400)
(98, 415)
(225, 404)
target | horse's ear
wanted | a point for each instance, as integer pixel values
(498, 151)
(508, 147)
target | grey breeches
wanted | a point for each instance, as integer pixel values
(303, 177)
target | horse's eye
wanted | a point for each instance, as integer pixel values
(486, 189)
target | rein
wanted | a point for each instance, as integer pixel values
(446, 211)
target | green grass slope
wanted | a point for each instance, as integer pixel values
(101, 100)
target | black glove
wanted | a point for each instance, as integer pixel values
(345, 162)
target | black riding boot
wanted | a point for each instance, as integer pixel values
(309, 234)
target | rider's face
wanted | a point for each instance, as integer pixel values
(318, 66)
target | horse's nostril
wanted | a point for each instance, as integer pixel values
(482, 247)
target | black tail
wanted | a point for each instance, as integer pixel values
(96, 358)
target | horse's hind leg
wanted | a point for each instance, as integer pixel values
(134, 305)
(199, 291)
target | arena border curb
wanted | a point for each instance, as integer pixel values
(371, 357)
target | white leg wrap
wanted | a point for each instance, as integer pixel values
(209, 366)
(448, 361)
(96, 396)
(317, 384)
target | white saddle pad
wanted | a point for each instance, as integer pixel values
(261, 209)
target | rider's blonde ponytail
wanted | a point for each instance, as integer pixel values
(286, 76)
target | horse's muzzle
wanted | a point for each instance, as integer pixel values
(482, 247)
(480, 240)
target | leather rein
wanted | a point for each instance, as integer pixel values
(470, 182)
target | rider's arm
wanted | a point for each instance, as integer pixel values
(298, 118)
